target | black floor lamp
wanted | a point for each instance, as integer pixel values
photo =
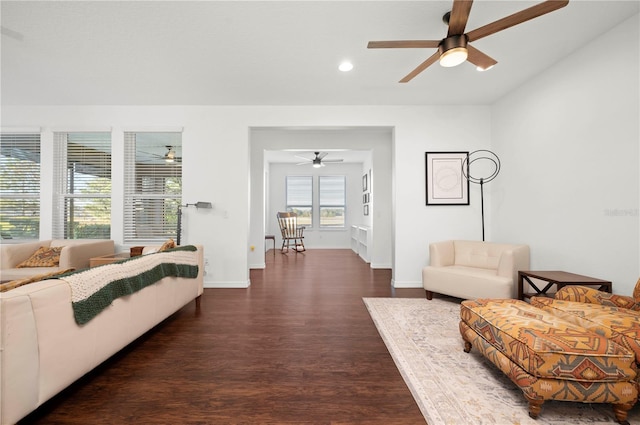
(199, 204)
(491, 172)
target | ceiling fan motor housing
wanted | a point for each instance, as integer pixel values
(453, 42)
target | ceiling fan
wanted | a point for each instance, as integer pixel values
(454, 49)
(317, 162)
(170, 156)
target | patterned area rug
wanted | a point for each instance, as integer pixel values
(454, 387)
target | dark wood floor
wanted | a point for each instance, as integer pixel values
(297, 347)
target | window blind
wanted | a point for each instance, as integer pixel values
(299, 191)
(332, 200)
(20, 186)
(153, 186)
(83, 185)
(299, 196)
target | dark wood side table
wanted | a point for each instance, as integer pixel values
(558, 279)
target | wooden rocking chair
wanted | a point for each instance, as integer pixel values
(291, 232)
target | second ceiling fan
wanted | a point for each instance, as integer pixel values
(317, 162)
(454, 49)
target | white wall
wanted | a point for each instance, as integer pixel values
(216, 161)
(443, 128)
(569, 145)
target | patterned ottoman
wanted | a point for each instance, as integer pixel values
(549, 358)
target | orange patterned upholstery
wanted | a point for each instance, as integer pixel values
(544, 345)
(618, 324)
(585, 294)
(536, 388)
(550, 358)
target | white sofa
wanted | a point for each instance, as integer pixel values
(474, 269)
(43, 349)
(75, 254)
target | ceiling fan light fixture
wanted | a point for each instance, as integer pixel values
(453, 57)
(453, 50)
(170, 156)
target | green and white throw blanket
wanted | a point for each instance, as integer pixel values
(94, 289)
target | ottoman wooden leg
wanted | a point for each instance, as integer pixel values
(535, 406)
(620, 412)
(467, 346)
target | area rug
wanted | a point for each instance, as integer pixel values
(454, 387)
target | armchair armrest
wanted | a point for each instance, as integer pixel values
(77, 255)
(584, 294)
(441, 254)
(512, 260)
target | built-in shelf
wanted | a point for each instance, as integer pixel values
(361, 241)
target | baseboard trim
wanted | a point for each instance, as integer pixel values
(239, 284)
(406, 284)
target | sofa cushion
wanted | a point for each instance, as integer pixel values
(167, 245)
(636, 291)
(43, 257)
(25, 272)
(545, 345)
(585, 294)
(7, 286)
(479, 254)
(618, 324)
(13, 254)
(467, 282)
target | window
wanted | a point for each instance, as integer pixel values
(20, 186)
(83, 186)
(300, 198)
(332, 201)
(153, 185)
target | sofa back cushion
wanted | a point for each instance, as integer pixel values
(13, 254)
(636, 291)
(483, 255)
(43, 257)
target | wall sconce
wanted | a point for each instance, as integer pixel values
(198, 205)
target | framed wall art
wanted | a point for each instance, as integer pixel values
(446, 183)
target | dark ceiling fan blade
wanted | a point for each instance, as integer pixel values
(517, 18)
(406, 44)
(424, 65)
(479, 59)
(328, 161)
(321, 155)
(459, 16)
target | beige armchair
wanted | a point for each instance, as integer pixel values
(474, 269)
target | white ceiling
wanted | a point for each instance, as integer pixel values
(272, 52)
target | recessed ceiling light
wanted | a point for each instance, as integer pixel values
(345, 66)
